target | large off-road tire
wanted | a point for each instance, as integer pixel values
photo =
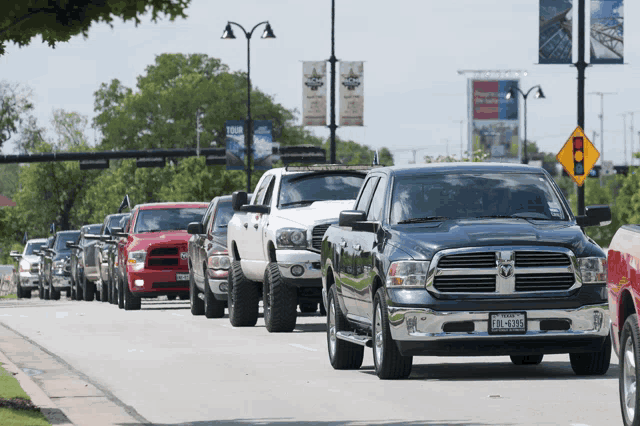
(308, 308)
(343, 355)
(592, 363)
(26, 293)
(40, 291)
(279, 301)
(104, 292)
(111, 292)
(47, 293)
(72, 293)
(388, 362)
(197, 304)
(213, 308)
(629, 373)
(172, 297)
(131, 302)
(120, 293)
(526, 359)
(88, 289)
(19, 291)
(244, 296)
(55, 294)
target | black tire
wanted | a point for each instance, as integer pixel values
(72, 294)
(47, 293)
(526, 359)
(213, 308)
(343, 355)
(120, 293)
(184, 296)
(629, 371)
(592, 363)
(88, 289)
(111, 291)
(392, 365)
(131, 302)
(40, 291)
(308, 308)
(323, 310)
(104, 293)
(197, 304)
(244, 296)
(55, 294)
(279, 302)
(18, 291)
(172, 297)
(26, 293)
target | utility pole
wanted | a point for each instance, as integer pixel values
(632, 136)
(447, 142)
(624, 133)
(198, 132)
(461, 143)
(601, 116)
(595, 134)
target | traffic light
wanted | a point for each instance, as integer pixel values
(578, 156)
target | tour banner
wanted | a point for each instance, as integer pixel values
(607, 26)
(235, 144)
(556, 26)
(262, 144)
(351, 94)
(314, 93)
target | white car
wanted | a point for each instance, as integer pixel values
(274, 241)
(29, 267)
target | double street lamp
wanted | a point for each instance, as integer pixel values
(513, 92)
(228, 35)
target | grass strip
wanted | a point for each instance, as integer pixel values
(9, 296)
(16, 408)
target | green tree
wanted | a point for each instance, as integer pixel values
(15, 106)
(9, 174)
(58, 21)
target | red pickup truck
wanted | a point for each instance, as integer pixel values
(624, 302)
(153, 256)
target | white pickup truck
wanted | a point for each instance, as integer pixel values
(275, 240)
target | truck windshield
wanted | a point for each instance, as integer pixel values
(223, 216)
(474, 195)
(299, 190)
(61, 240)
(170, 219)
(93, 229)
(31, 247)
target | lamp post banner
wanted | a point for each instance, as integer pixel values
(351, 94)
(607, 35)
(235, 144)
(314, 93)
(555, 36)
(262, 144)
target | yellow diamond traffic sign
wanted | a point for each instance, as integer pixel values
(578, 156)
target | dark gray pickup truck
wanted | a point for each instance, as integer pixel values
(463, 259)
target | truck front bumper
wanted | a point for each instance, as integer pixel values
(29, 280)
(421, 331)
(151, 281)
(61, 280)
(219, 288)
(300, 267)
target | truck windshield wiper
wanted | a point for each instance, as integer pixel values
(422, 219)
(300, 202)
(529, 215)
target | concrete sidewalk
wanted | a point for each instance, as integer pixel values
(66, 396)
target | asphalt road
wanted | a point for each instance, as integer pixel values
(176, 369)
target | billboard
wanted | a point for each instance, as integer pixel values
(235, 144)
(494, 119)
(555, 32)
(607, 35)
(351, 94)
(314, 93)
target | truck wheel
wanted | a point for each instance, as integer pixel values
(280, 302)
(592, 363)
(18, 291)
(172, 297)
(213, 308)
(526, 359)
(308, 308)
(131, 302)
(88, 289)
(47, 294)
(629, 377)
(26, 293)
(104, 293)
(40, 291)
(197, 304)
(343, 355)
(323, 311)
(244, 296)
(389, 363)
(120, 293)
(55, 294)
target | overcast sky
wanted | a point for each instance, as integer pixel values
(414, 96)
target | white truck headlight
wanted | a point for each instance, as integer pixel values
(219, 260)
(136, 259)
(58, 264)
(408, 273)
(593, 270)
(291, 238)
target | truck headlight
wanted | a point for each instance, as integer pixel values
(136, 259)
(408, 273)
(291, 238)
(58, 264)
(219, 260)
(593, 270)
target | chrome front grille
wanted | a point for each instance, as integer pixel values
(466, 284)
(544, 282)
(541, 259)
(317, 234)
(468, 260)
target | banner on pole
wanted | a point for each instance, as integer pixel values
(351, 94)
(262, 147)
(556, 27)
(607, 35)
(235, 144)
(314, 93)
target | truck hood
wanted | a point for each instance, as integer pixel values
(422, 241)
(30, 258)
(318, 211)
(145, 240)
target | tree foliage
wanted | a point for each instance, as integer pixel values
(15, 106)
(59, 20)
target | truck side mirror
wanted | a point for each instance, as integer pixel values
(238, 199)
(92, 237)
(350, 217)
(117, 231)
(195, 228)
(70, 244)
(596, 215)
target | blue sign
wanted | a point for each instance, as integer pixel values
(262, 144)
(607, 32)
(556, 27)
(235, 144)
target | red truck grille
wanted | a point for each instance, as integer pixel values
(163, 257)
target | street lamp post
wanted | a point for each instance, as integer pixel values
(512, 94)
(228, 35)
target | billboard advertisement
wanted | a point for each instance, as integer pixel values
(351, 94)
(261, 148)
(607, 36)
(555, 32)
(494, 119)
(314, 93)
(235, 144)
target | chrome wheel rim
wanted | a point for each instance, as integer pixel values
(378, 347)
(629, 379)
(332, 329)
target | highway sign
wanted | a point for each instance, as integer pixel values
(578, 156)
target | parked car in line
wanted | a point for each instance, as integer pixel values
(460, 259)
(104, 249)
(275, 239)
(57, 269)
(209, 259)
(112, 261)
(28, 267)
(83, 264)
(41, 253)
(153, 259)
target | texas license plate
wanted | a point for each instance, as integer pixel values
(508, 323)
(182, 277)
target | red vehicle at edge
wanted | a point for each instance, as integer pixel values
(153, 255)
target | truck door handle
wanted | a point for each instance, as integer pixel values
(357, 247)
(255, 225)
(343, 244)
(246, 225)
